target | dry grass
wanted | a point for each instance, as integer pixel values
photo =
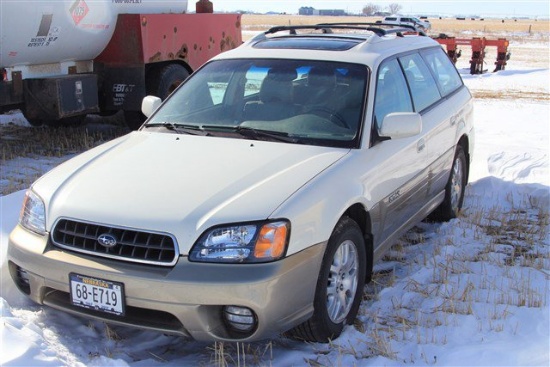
(18, 141)
(22, 149)
(511, 94)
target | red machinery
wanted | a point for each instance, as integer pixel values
(478, 51)
(64, 59)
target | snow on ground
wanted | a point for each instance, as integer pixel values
(14, 117)
(473, 291)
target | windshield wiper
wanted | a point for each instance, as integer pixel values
(180, 128)
(259, 134)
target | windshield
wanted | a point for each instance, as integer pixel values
(306, 102)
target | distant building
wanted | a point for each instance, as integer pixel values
(333, 12)
(308, 10)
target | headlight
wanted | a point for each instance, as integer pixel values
(246, 243)
(33, 213)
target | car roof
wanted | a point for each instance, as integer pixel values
(363, 43)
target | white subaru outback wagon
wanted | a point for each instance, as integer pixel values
(255, 199)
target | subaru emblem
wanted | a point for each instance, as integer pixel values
(107, 240)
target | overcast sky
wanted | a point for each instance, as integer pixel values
(532, 8)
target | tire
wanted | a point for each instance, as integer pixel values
(454, 190)
(339, 287)
(160, 82)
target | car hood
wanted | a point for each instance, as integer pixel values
(180, 184)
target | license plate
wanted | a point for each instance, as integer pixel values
(97, 294)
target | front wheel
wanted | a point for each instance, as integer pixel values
(339, 286)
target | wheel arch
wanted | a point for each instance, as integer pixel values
(361, 216)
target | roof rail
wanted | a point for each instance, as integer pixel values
(375, 27)
(328, 27)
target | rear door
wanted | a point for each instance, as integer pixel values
(435, 86)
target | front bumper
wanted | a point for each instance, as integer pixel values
(186, 299)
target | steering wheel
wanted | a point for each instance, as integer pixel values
(331, 114)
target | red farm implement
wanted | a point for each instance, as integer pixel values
(478, 51)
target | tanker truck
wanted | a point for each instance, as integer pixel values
(63, 59)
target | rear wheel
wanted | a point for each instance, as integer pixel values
(454, 191)
(164, 80)
(339, 286)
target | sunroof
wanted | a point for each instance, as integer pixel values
(308, 43)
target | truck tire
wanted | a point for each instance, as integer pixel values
(339, 289)
(160, 81)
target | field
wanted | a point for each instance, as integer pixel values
(452, 27)
(518, 32)
(474, 291)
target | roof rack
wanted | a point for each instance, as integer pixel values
(328, 27)
(375, 27)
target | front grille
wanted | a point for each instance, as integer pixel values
(131, 245)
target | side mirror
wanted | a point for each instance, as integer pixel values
(399, 125)
(150, 105)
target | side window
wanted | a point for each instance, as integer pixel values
(392, 94)
(423, 87)
(446, 74)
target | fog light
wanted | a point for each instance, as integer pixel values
(241, 319)
(20, 277)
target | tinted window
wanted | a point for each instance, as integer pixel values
(421, 82)
(392, 94)
(446, 74)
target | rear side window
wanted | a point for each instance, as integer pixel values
(423, 87)
(447, 76)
